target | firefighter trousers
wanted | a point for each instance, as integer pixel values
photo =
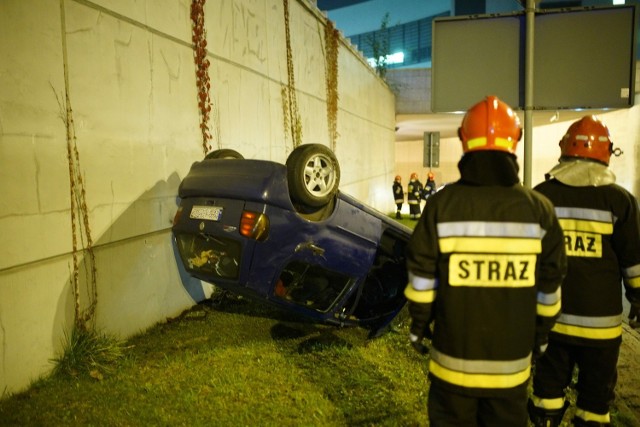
(447, 409)
(597, 374)
(414, 210)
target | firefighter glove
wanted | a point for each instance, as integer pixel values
(634, 315)
(416, 343)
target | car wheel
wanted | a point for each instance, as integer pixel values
(225, 153)
(313, 175)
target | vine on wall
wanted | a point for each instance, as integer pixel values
(331, 36)
(81, 240)
(290, 103)
(198, 36)
(284, 94)
(80, 229)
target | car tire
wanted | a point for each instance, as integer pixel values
(225, 153)
(313, 175)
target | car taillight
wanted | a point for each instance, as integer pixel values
(254, 225)
(177, 216)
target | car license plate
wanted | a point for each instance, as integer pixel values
(211, 213)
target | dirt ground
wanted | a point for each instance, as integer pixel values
(628, 388)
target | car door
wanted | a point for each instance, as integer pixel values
(341, 249)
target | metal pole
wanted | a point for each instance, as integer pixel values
(528, 89)
(430, 150)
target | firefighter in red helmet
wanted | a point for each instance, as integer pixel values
(485, 265)
(429, 186)
(398, 195)
(414, 196)
(601, 224)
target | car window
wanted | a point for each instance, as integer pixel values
(209, 254)
(310, 285)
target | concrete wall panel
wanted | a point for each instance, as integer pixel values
(171, 17)
(131, 296)
(36, 305)
(243, 107)
(33, 173)
(109, 74)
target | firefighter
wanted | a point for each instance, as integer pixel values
(602, 239)
(398, 195)
(485, 265)
(429, 186)
(414, 195)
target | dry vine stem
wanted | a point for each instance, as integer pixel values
(293, 115)
(331, 36)
(284, 93)
(80, 229)
(202, 69)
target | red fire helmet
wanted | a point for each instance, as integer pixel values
(490, 125)
(587, 138)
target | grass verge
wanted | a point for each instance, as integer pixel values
(88, 351)
(238, 364)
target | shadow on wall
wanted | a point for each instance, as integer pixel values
(140, 280)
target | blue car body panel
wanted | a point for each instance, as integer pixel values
(346, 246)
(251, 180)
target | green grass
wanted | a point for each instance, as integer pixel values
(405, 220)
(88, 351)
(236, 364)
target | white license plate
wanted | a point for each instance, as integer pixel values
(211, 213)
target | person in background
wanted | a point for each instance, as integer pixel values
(485, 265)
(414, 195)
(429, 186)
(398, 195)
(602, 239)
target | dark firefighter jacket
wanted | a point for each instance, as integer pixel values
(398, 192)
(429, 188)
(485, 264)
(414, 192)
(602, 240)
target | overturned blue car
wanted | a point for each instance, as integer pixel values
(285, 234)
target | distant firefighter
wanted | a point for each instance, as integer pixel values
(414, 195)
(398, 195)
(430, 186)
